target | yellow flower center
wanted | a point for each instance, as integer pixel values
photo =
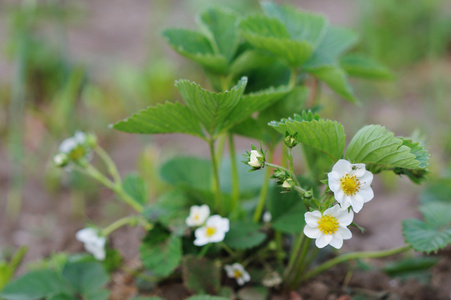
(237, 274)
(77, 153)
(196, 217)
(349, 184)
(328, 224)
(211, 231)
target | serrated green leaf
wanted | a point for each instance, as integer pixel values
(166, 118)
(287, 211)
(376, 147)
(421, 154)
(302, 26)
(201, 275)
(160, 252)
(36, 285)
(85, 277)
(135, 186)
(212, 109)
(197, 47)
(222, 27)
(336, 79)
(358, 65)
(271, 35)
(324, 135)
(244, 235)
(437, 190)
(336, 41)
(248, 60)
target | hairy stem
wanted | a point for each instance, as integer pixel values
(235, 179)
(264, 190)
(216, 185)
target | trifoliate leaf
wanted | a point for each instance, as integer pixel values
(201, 275)
(358, 65)
(211, 109)
(271, 35)
(244, 235)
(323, 135)
(434, 232)
(336, 79)
(376, 147)
(221, 26)
(197, 47)
(160, 252)
(166, 118)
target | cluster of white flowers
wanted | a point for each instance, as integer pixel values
(214, 227)
(351, 185)
(93, 242)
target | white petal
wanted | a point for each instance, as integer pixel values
(86, 235)
(67, 145)
(356, 203)
(332, 211)
(358, 169)
(200, 241)
(334, 185)
(240, 280)
(204, 212)
(312, 218)
(339, 196)
(229, 271)
(246, 276)
(366, 179)
(336, 242)
(312, 232)
(342, 167)
(367, 194)
(217, 237)
(345, 233)
(323, 240)
(345, 217)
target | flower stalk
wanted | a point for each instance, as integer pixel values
(264, 189)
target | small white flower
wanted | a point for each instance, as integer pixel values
(238, 272)
(197, 215)
(213, 232)
(93, 243)
(329, 228)
(351, 184)
(69, 144)
(253, 159)
(267, 217)
(77, 147)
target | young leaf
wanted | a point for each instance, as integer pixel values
(358, 65)
(161, 252)
(222, 27)
(201, 275)
(166, 118)
(244, 235)
(86, 277)
(136, 187)
(323, 135)
(287, 211)
(380, 150)
(186, 171)
(434, 232)
(197, 47)
(271, 35)
(212, 109)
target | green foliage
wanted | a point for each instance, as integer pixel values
(287, 211)
(323, 135)
(160, 251)
(437, 190)
(201, 275)
(136, 187)
(7, 268)
(380, 150)
(358, 65)
(416, 267)
(253, 293)
(336, 79)
(77, 280)
(244, 235)
(206, 297)
(434, 232)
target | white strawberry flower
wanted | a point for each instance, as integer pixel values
(238, 272)
(76, 148)
(253, 159)
(197, 215)
(213, 232)
(330, 227)
(93, 242)
(351, 184)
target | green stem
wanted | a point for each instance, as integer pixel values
(301, 266)
(204, 250)
(293, 255)
(226, 248)
(279, 248)
(216, 185)
(129, 220)
(111, 166)
(264, 190)
(235, 178)
(285, 169)
(293, 77)
(351, 256)
(290, 159)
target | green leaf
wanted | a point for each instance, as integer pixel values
(98, 295)
(206, 297)
(167, 118)
(376, 147)
(135, 186)
(35, 285)
(201, 275)
(86, 277)
(196, 47)
(222, 27)
(287, 211)
(416, 267)
(421, 154)
(434, 232)
(171, 210)
(323, 135)
(302, 26)
(62, 296)
(253, 293)
(358, 65)
(248, 60)
(212, 109)
(161, 252)
(336, 79)
(271, 35)
(336, 41)
(244, 235)
(437, 190)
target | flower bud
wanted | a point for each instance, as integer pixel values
(290, 140)
(255, 159)
(61, 160)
